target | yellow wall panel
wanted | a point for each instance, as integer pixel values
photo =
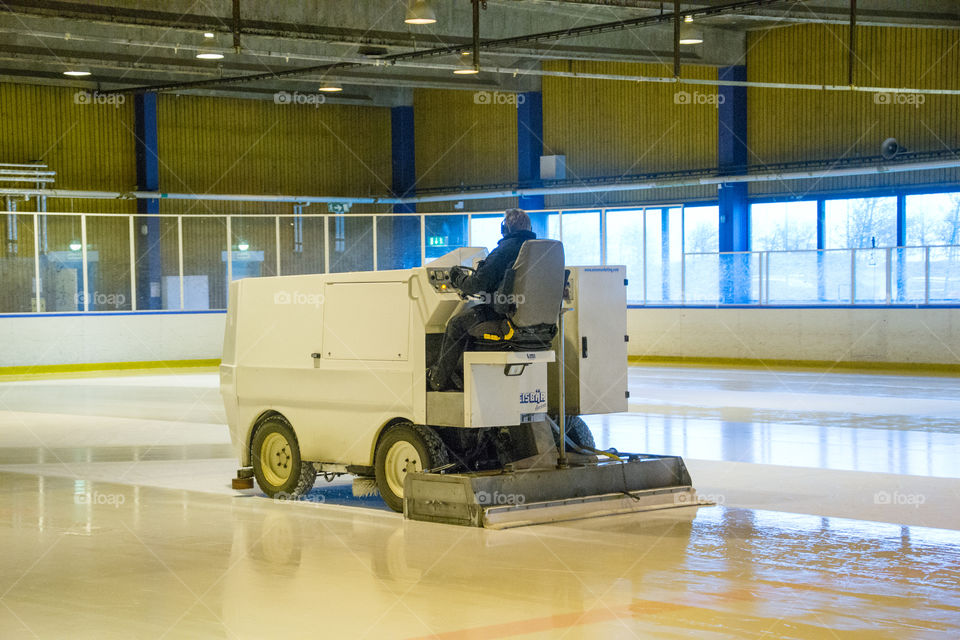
(221, 145)
(791, 125)
(89, 144)
(614, 128)
(462, 140)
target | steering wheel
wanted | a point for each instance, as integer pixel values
(469, 271)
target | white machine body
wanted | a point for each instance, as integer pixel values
(595, 345)
(342, 356)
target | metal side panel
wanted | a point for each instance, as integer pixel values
(445, 408)
(502, 499)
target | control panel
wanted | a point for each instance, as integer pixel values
(440, 279)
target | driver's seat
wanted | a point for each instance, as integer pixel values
(529, 298)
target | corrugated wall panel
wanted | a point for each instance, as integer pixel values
(89, 144)
(221, 145)
(788, 125)
(613, 128)
(461, 138)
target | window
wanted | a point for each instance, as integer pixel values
(581, 237)
(933, 218)
(783, 226)
(444, 234)
(664, 254)
(625, 246)
(485, 231)
(860, 223)
(701, 227)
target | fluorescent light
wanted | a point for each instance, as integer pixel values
(330, 87)
(209, 34)
(209, 55)
(689, 35)
(419, 12)
(464, 66)
(76, 73)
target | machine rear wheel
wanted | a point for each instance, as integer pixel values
(405, 448)
(578, 431)
(276, 460)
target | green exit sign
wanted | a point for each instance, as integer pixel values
(437, 241)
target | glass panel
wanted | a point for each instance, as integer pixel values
(301, 245)
(204, 262)
(540, 221)
(444, 234)
(398, 242)
(701, 227)
(552, 227)
(581, 237)
(783, 226)
(933, 218)
(254, 250)
(944, 274)
(485, 231)
(702, 278)
(625, 246)
(169, 267)
(664, 254)
(860, 223)
(17, 295)
(836, 276)
(871, 272)
(108, 263)
(908, 275)
(739, 278)
(794, 277)
(351, 243)
(61, 263)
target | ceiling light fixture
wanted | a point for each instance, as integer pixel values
(419, 12)
(688, 18)
(465, 65)
(330, 87)
(75, 246)
(689, 35)
(209, 34)
(209, 54)
(76, 73)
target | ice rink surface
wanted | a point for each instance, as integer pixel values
(837, 518)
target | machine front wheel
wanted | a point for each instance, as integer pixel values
(277, 466)
(405, 448)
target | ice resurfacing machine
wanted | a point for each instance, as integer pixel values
(326, 374)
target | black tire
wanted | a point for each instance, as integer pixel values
(578, 431)
(285, 475)
(392, 466)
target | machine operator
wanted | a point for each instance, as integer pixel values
(516, 230)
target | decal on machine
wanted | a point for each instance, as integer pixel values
(536, 397)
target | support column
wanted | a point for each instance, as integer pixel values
(148, 261)
(402, 251)
(734, 210)
(529, 150)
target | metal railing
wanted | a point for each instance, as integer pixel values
(70, 262)
(915, 275)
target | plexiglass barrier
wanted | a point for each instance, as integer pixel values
(57, 262)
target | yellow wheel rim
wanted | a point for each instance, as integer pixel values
(276, 459)
(402, 458)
